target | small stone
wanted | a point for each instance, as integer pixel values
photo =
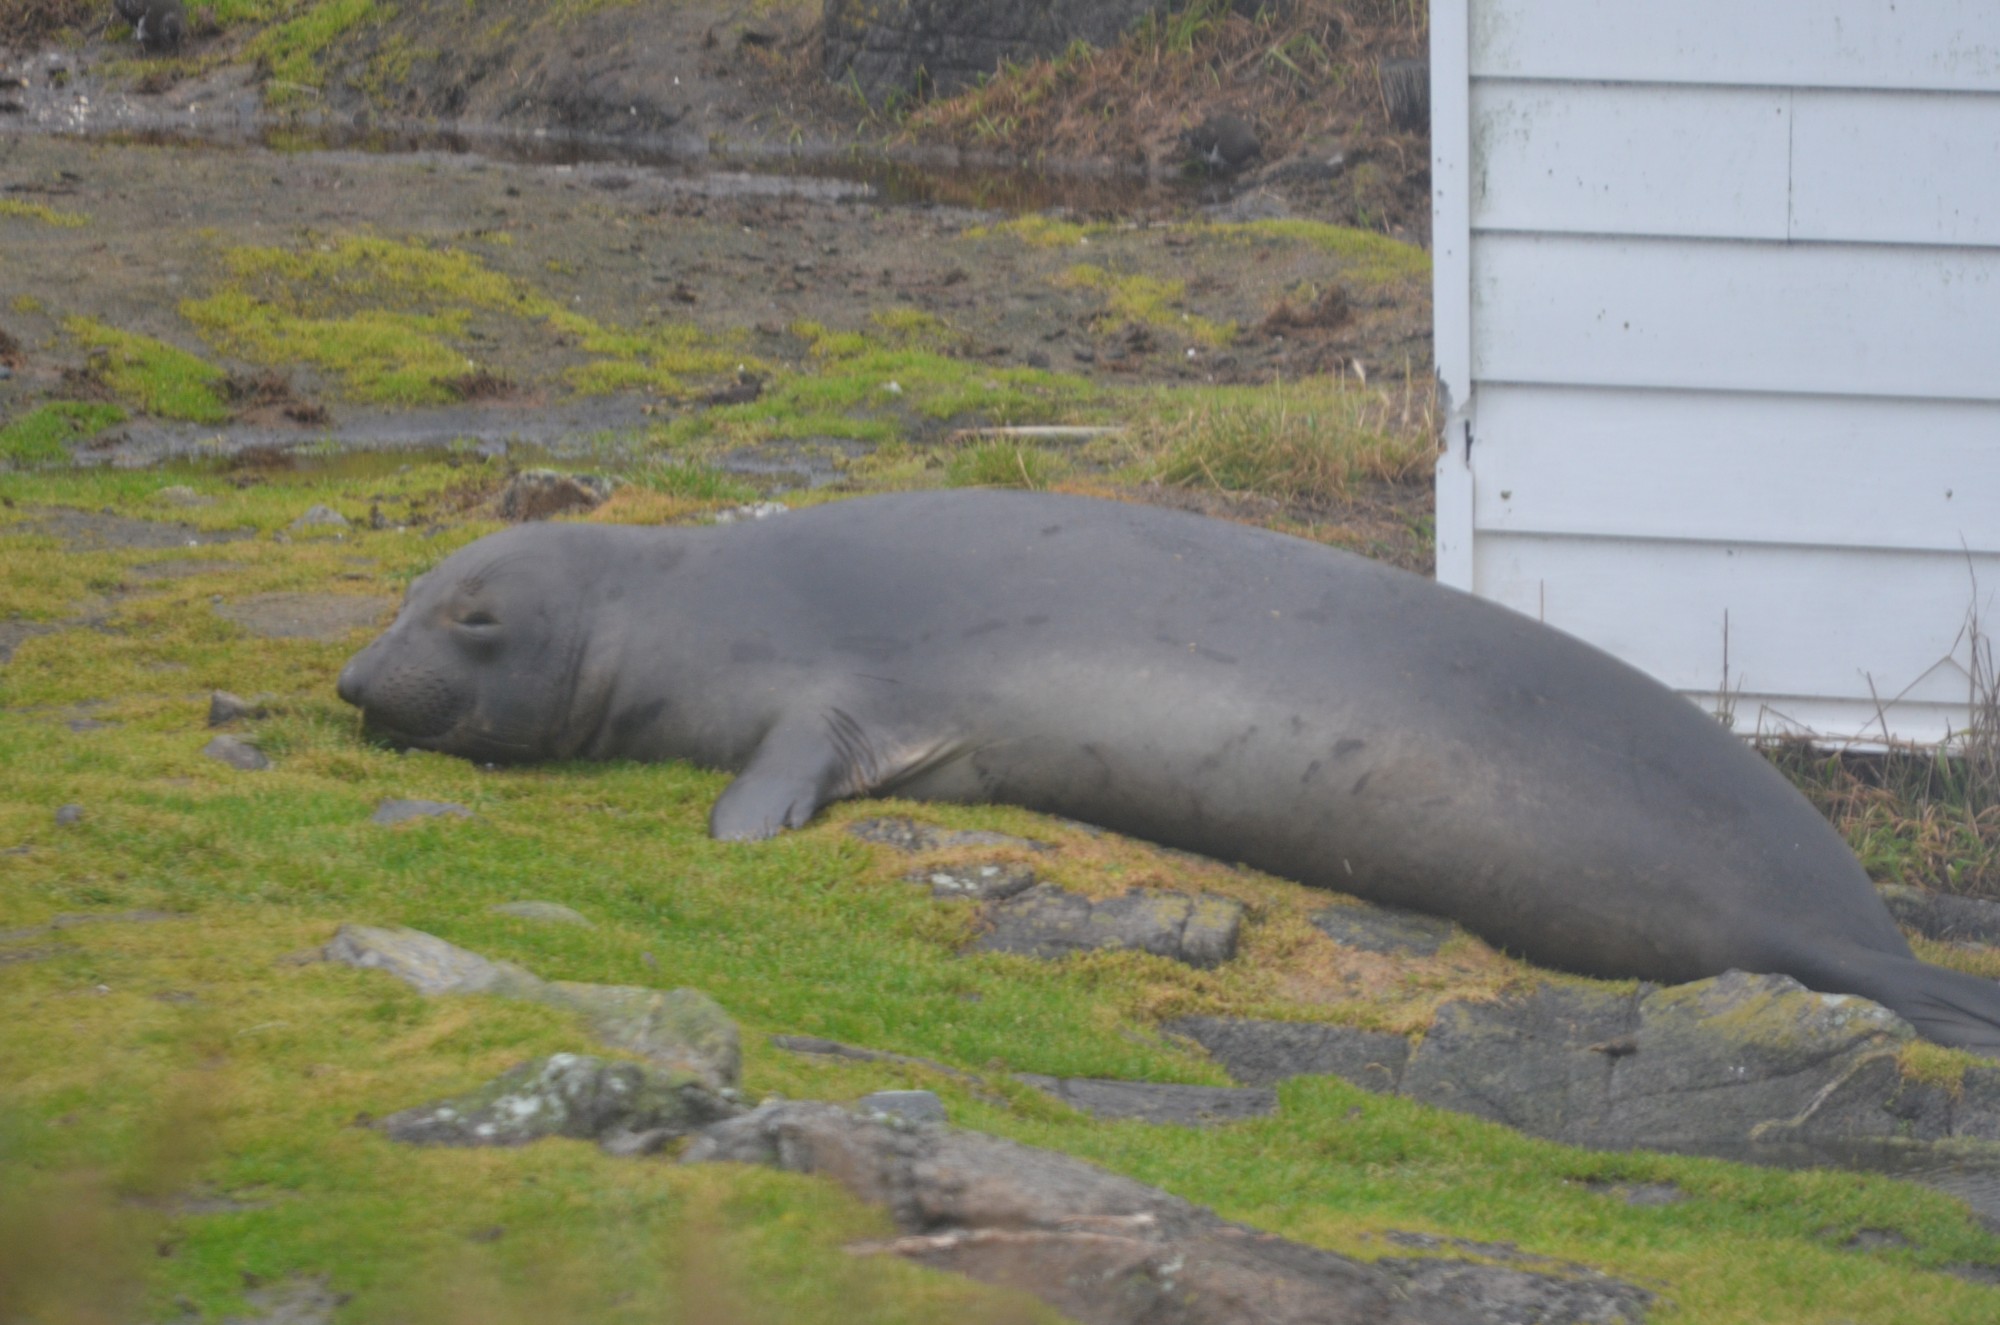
(911, 836)
(537, 494)
(632, 1108)
(225, 708)
(982, 883)
(237, 753)
(554, 913)
(179, 494)
(915, 1106)
(320, 517)
(67, 815)
(1048, 922)
(396, 810)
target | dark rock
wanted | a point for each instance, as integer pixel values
(682, 1030)
(1222, 144)
(1943, 917)
(982, 883)
(912, 1106)
(1047, 922)
(897, 48)
(1262, 1053)
(571, 1095)
(1105, 1250)
(68, 814)
(1734, 1059)
(912, 836)
(396, 810)
(162, 26)
(225, 708)
(537, 494)
(551, 913)
(1383, 929)
(237, 753)
(1406, 88)
(813, 1044)
(1156, 1102)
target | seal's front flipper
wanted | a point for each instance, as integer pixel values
(805, 762)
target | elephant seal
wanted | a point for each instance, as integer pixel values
(1208, 686)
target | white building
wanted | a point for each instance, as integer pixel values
(1718, 316)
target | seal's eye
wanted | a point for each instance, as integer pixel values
(477, 619)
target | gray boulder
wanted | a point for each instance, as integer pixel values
(1262, 1053)
(1106, 1250)
(1048, 922)
(1383, 929)
(237, 753)
(1943, 917)
(538, 494)
(571, 1095)
(681, 1030)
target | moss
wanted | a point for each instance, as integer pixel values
(46, 433)
(1147, 300)
(391, 319)
(289, 51)
(1936, 1065)
(1366, 257)
(151, 375)
(1041, 231)
(35, 211)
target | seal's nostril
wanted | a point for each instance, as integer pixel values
(349, 685)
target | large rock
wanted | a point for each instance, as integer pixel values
(1736, 1059)
(1048, 922)
(1944, 917)
(571, 1095)
(890, 48)
(1106, 1250)
(680, 1030)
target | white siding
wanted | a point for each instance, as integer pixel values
(1718, 293)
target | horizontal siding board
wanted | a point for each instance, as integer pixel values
(1896, 168)
(1596, 159)
(1757, 468)
(1832, 624)
(1940, 45)
(1702, 314)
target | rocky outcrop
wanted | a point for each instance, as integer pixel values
(899, 48)
(629, 1108)
(1724, 1065)
(1048, 922)
(1157, 1102)
(680, 1030)
(1107, 1250)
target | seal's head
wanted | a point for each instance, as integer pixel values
(489, 656)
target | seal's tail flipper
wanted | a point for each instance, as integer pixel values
(1947, 1006)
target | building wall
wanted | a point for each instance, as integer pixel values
(1718, 322)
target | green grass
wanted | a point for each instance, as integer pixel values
(35, 211)
(392, 320)
(44, 434)
(289, 51)
(1147, 300)
(200, 1055)
(151, 375)
(1365, 256)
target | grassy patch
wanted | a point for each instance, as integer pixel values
(289, 51)
(1364, 256)
(1309, 440)
(47, 215)
(45, 433)
(1927, 819)
(1004, 464)
(393, 322)
(1146, 300)
(200, 1057)
(151, 375)
(1038, 230)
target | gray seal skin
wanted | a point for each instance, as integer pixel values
(1205, 685)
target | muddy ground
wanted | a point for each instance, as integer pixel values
(741, 201)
